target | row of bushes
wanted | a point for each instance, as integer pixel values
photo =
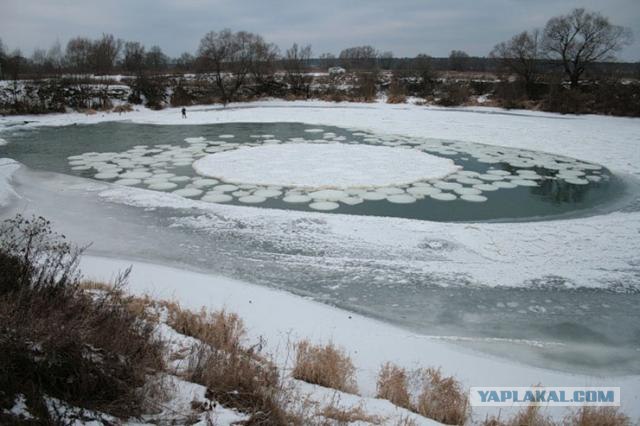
(602, 97)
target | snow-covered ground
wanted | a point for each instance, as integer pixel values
(598, 251)
(283, 319)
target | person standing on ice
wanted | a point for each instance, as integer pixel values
(184, 112)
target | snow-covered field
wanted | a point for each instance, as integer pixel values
(598, 251)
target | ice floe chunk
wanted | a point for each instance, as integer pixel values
(401, 199)
(216, 197)
(324, 205)
(252, 199)
(188, 192)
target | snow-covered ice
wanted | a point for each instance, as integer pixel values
(333, 165)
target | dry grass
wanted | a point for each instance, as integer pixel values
(597, 416)
(326, 366)
(123, 108)
(527, 416)
(236, 376)
(585, 416)
(221, 330)
(60, 340)
(393, 385)
(441, 398)
(344, 416)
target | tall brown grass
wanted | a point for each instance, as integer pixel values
(59, 340)
(325, 365)
(440, 397)
(393, 385)
(598, 416)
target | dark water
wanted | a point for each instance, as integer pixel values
(47, 148)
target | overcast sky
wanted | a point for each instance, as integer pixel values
(406, 27)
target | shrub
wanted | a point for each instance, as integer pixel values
(236, 376)
(61, 341)
(123, 108)
(326, 366)
(442, 398)
(220, 330)
(392, 385)
(397, 93)
(345, 416)
(598, 416)
(453, 94)
(366, 87)
(527, 416)
(567, 101)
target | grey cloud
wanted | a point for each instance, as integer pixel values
(406, 27)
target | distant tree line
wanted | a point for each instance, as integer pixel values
(563, 66)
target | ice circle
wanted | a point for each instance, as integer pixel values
(333, 165)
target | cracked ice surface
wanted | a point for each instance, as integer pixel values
(324, 165)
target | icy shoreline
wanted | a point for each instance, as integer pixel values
(268, 314)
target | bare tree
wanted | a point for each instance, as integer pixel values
(359, 57)
(581, 38)
(296, 65)
(105, 53)
(156, 60)
(3, 58)
(185, 62)
(386, 60)
(230, 57)
(263, 65)
(328, 60)
(425, 74)
(520, 56)
(458, 60)
(133, 57)
(78, 54)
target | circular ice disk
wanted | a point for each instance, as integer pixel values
(127, 182)
(525, 182)
(225, 188)
(447, 185)
(268, 193)
(474, 198)
(401, 199)
(106, 176)
(218, 197)
(576, 181)
(373, 196)
(467, 191)
(188, 192)
(504, 184)
(203, 183)
(324, 205)
(443, 196)
(328, 195)
(330, 165)
(296, 199)
(252, 199)
(162, 186)
(486, 187)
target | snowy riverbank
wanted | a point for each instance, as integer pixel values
(282, 319)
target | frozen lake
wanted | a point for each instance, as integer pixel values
(548, 319)
(483, 182)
